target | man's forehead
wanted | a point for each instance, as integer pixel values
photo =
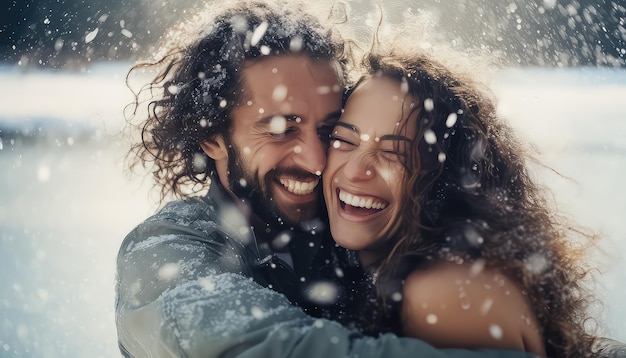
(290, 70)
(300, 59)
(290, 85)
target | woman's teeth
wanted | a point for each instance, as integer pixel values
(361, 202)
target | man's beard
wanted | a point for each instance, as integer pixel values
(246, 185)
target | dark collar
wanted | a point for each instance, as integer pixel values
(306, 238)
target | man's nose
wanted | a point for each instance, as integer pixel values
(310, 153)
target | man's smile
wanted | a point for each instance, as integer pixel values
(299, 187)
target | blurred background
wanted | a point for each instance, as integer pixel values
(73, 34)
(66, 201)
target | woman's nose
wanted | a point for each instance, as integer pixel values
(359, 166)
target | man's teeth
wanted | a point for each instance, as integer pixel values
(360, 202)
(299, 187)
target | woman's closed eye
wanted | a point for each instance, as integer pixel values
(392, 155)
(337, 142)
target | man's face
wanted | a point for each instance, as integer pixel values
(279, 135)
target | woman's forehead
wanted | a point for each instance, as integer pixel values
(379, 106)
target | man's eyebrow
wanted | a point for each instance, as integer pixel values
(268, 119)
(290, 117)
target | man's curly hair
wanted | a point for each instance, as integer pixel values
(198, 81)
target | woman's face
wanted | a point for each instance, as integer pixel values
(364, 171)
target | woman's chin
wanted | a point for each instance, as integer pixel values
(349, 239)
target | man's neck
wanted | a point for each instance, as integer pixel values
(276, 235)
(268, 234)
(265, 233)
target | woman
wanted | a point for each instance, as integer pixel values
(430, 188)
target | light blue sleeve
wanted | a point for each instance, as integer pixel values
(229, 315)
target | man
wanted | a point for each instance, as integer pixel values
(246, 108)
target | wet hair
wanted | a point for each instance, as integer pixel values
(199, 81)
(467, 181)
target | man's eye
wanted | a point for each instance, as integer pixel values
(283, 134)
(341, 143)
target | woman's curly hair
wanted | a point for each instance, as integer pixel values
(198, 81)
(475, 201)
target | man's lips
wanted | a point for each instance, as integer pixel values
(360, 205)
(299, 187)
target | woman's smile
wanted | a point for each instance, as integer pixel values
(360, 205)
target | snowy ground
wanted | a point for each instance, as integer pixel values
(66, 204)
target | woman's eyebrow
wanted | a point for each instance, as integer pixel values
(395, 137)
(349, 126)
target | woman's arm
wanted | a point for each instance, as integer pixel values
(464, 306)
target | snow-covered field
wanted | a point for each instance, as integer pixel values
(66, 204)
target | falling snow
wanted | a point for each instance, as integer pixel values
(169, 271)
(495, 331)
(430, 137)
(258, 34)
(431, 318)
(429, 104)
(91, 36)
(278, 124)
(62, 280)
(322, 292)
(279, 93)
(43, 173)
(451, 120)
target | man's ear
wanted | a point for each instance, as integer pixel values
(215, 147)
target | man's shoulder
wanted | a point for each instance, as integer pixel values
(184, 212)
(195, 218)
(196, 210)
